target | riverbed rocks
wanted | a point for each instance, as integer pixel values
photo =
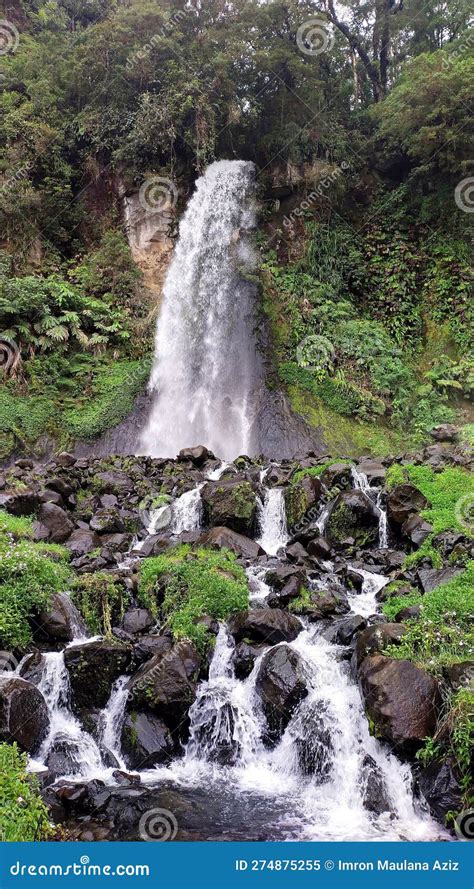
(53, 524)
(353, 521)
(166, 685)
(440, 786)
(270, 625)
(403, 501)
(281, 685)
(376, 638)
(146, 740)
(93, 668)
(300, 498)
(225, 538)
(23, 713)
(401, 700)
(59, 621)
(231, 503)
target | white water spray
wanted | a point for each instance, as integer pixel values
(272, 521)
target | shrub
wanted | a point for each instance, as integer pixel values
(23, 814)
(100, 601)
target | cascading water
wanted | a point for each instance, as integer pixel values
(112, 719)
(361, 482)
(206, 371)
(272, 521)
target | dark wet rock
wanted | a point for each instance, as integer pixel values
(410, 612)
(374, 792)
(344, 630)
(117, 543)
(445, 432)
(197, 455)
(244, 658)
(296, 553)
(107, 520)
(221, 537)
(281, 686)
(65, 459)
(32, 667)
(50, 496)
(166, 685)
(153, 545)
(324, 604)
(123, 779)
(439, 785)
(301, 499)
(53, 523)
(150, 645)
(270, 625)
(279, 576)
(320, 548)
(137, 620)
(403, 501)
(337, 475)
(374, 471)
(402, 700)
(93, 668)
(146, 740)
(375, 639)
(23, 713)
(416, 529)
(82, 542)
(430, 578)
(230, 503)
(353, 520)
(114, 482)
(59, 621)
(20, 503)
(288, 593)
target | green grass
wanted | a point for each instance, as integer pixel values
(29, 575)
(193, 583)
(316, 471)
(18, 527)
(23, 815)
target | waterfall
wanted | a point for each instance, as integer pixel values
(206, 372)
(364, 603)
(272, 521)
(187, 511)
(112, 719)
(361, 482)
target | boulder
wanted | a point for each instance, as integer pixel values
(114, 482)
(344, 630)
(150, 645)
(60, 620)
(244, 657)
(197, 455)
(136, 620)
(439, 785)
(410, 612)
(353, 518)
(300, 499)
(107, 521)
(416, 529)
(146, 740)
(402, 700)
(166, 685)
(337, 475)
(430, 578)
(281, 686)
(374, 471)
(227, 539)
(374, 791)
(376, 638)
(290, 591)
(270, 625)
(20, 503)
(403, 501)
(56, 521)
(445, 432)
(325, 603)
(230, 503)
(93, 668)
(82, 542)
(320, 548)
(23, 713)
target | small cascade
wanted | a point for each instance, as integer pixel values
(187, 511)
(322, 519)
(223, 729)
(272, 521)
(68, 749)
(364, 603)
(259, 589)
(375, 495)
(112, 719)
(215, 474)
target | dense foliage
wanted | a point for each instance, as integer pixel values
(23, 814)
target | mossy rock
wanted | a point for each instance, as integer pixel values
(353, 518)
(231, 503)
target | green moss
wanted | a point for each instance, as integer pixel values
(29, 575)
(301, 602)
(344, 522)
(23, 420)
(183, 584)
(23, 814)
(100, 601)
(296, 504)
(111, 400)
(18, 527)
(317, 471)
